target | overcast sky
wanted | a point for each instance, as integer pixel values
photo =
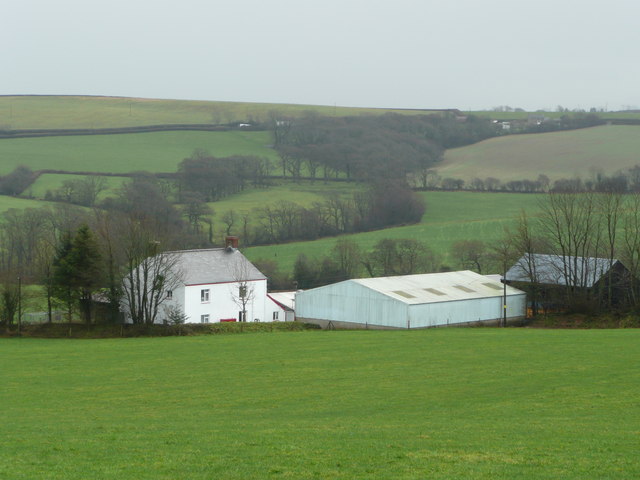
(463, 54)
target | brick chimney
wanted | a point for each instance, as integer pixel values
(231, 241)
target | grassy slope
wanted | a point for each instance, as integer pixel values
(154, 152)
(7, 203)
(449, 217)
(558, 154)
(303, 193)
(53, 181)
(438, 404)
(37, 112)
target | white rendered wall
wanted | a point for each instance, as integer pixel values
(221, 304)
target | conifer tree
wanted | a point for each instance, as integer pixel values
(77, 271)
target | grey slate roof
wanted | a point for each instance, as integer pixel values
(559, 270)
(214, 265)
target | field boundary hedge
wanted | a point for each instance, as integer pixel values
(120, 130)
(80, 330)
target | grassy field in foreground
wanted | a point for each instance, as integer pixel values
(153, 152)
(437, 404)
(42, 112)
(558, 155)
(449, 217)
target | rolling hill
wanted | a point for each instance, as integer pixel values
(449, 217)
(70, 112)
(153, 152)
(563, 154)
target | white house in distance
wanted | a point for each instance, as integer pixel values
(208, 285)
(411, 301)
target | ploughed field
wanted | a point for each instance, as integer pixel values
(566, 154)
(445, 403)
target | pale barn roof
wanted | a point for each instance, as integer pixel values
(437, 287)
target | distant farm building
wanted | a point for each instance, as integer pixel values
(411, 301)
(548, 278)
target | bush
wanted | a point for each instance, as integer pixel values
(77, 330)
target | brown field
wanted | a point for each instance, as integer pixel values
(557, 155)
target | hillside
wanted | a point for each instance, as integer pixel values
(68, 112)
(449, 217)
(558, 154)
(154, 152)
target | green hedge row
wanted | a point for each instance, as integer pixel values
(77, 330)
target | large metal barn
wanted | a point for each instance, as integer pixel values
(411, 301)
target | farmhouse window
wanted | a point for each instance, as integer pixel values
(204, 295)
(169, 294)
(275, 315)
(204, 318)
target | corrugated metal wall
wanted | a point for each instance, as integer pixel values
(462, 311)
(351, 302)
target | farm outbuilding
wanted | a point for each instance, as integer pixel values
(410, 301)
(287, 302)
(552, 281)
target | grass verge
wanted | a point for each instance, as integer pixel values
(439, 404)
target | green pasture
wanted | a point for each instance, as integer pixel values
(449, 217)
(153, 152)
(53, 181)
(440, 404)
(565, 154)
(7, 203)
(304, 193)
(68, 112)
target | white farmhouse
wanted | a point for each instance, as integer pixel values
(215, 285)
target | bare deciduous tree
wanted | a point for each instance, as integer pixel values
(242, 290)
(470, 254)
(150, 274)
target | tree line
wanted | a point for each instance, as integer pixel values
(623, 181)
(347, 259)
